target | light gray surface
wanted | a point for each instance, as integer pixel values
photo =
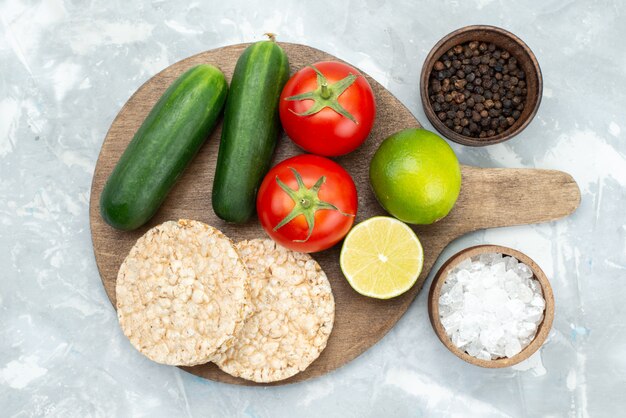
(66, 68)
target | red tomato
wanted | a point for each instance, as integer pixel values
(331, 120)
(307, 203)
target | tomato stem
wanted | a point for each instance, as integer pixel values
(325, 91)
(306, 203)
(326, 95)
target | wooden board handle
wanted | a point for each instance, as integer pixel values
(504, 197)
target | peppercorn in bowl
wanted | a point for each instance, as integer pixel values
(480, 85)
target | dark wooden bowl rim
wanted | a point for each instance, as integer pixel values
(503, 39)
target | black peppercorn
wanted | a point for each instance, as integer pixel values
(460, 84)
(477, 89)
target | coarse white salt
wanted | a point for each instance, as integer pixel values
(491, 306)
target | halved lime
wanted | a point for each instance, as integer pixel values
(381, 257)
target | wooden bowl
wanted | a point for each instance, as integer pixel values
(542, 330)
(506, 40)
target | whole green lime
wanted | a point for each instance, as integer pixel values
(416, 176)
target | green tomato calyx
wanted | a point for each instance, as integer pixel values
(326, 95)
(306, 203)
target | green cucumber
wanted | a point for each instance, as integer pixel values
(163, 146)
(250, 130)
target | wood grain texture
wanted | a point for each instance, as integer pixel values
(525, 196)
(542, 330)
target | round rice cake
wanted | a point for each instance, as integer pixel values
(182, 293)
(293, 310)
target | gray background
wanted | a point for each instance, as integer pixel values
(66, 69)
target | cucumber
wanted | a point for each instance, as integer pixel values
(250, 130)
(163, 146)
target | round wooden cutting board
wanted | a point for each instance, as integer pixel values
(525, 196)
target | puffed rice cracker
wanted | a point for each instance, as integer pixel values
(182, 293)
(293, 314)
